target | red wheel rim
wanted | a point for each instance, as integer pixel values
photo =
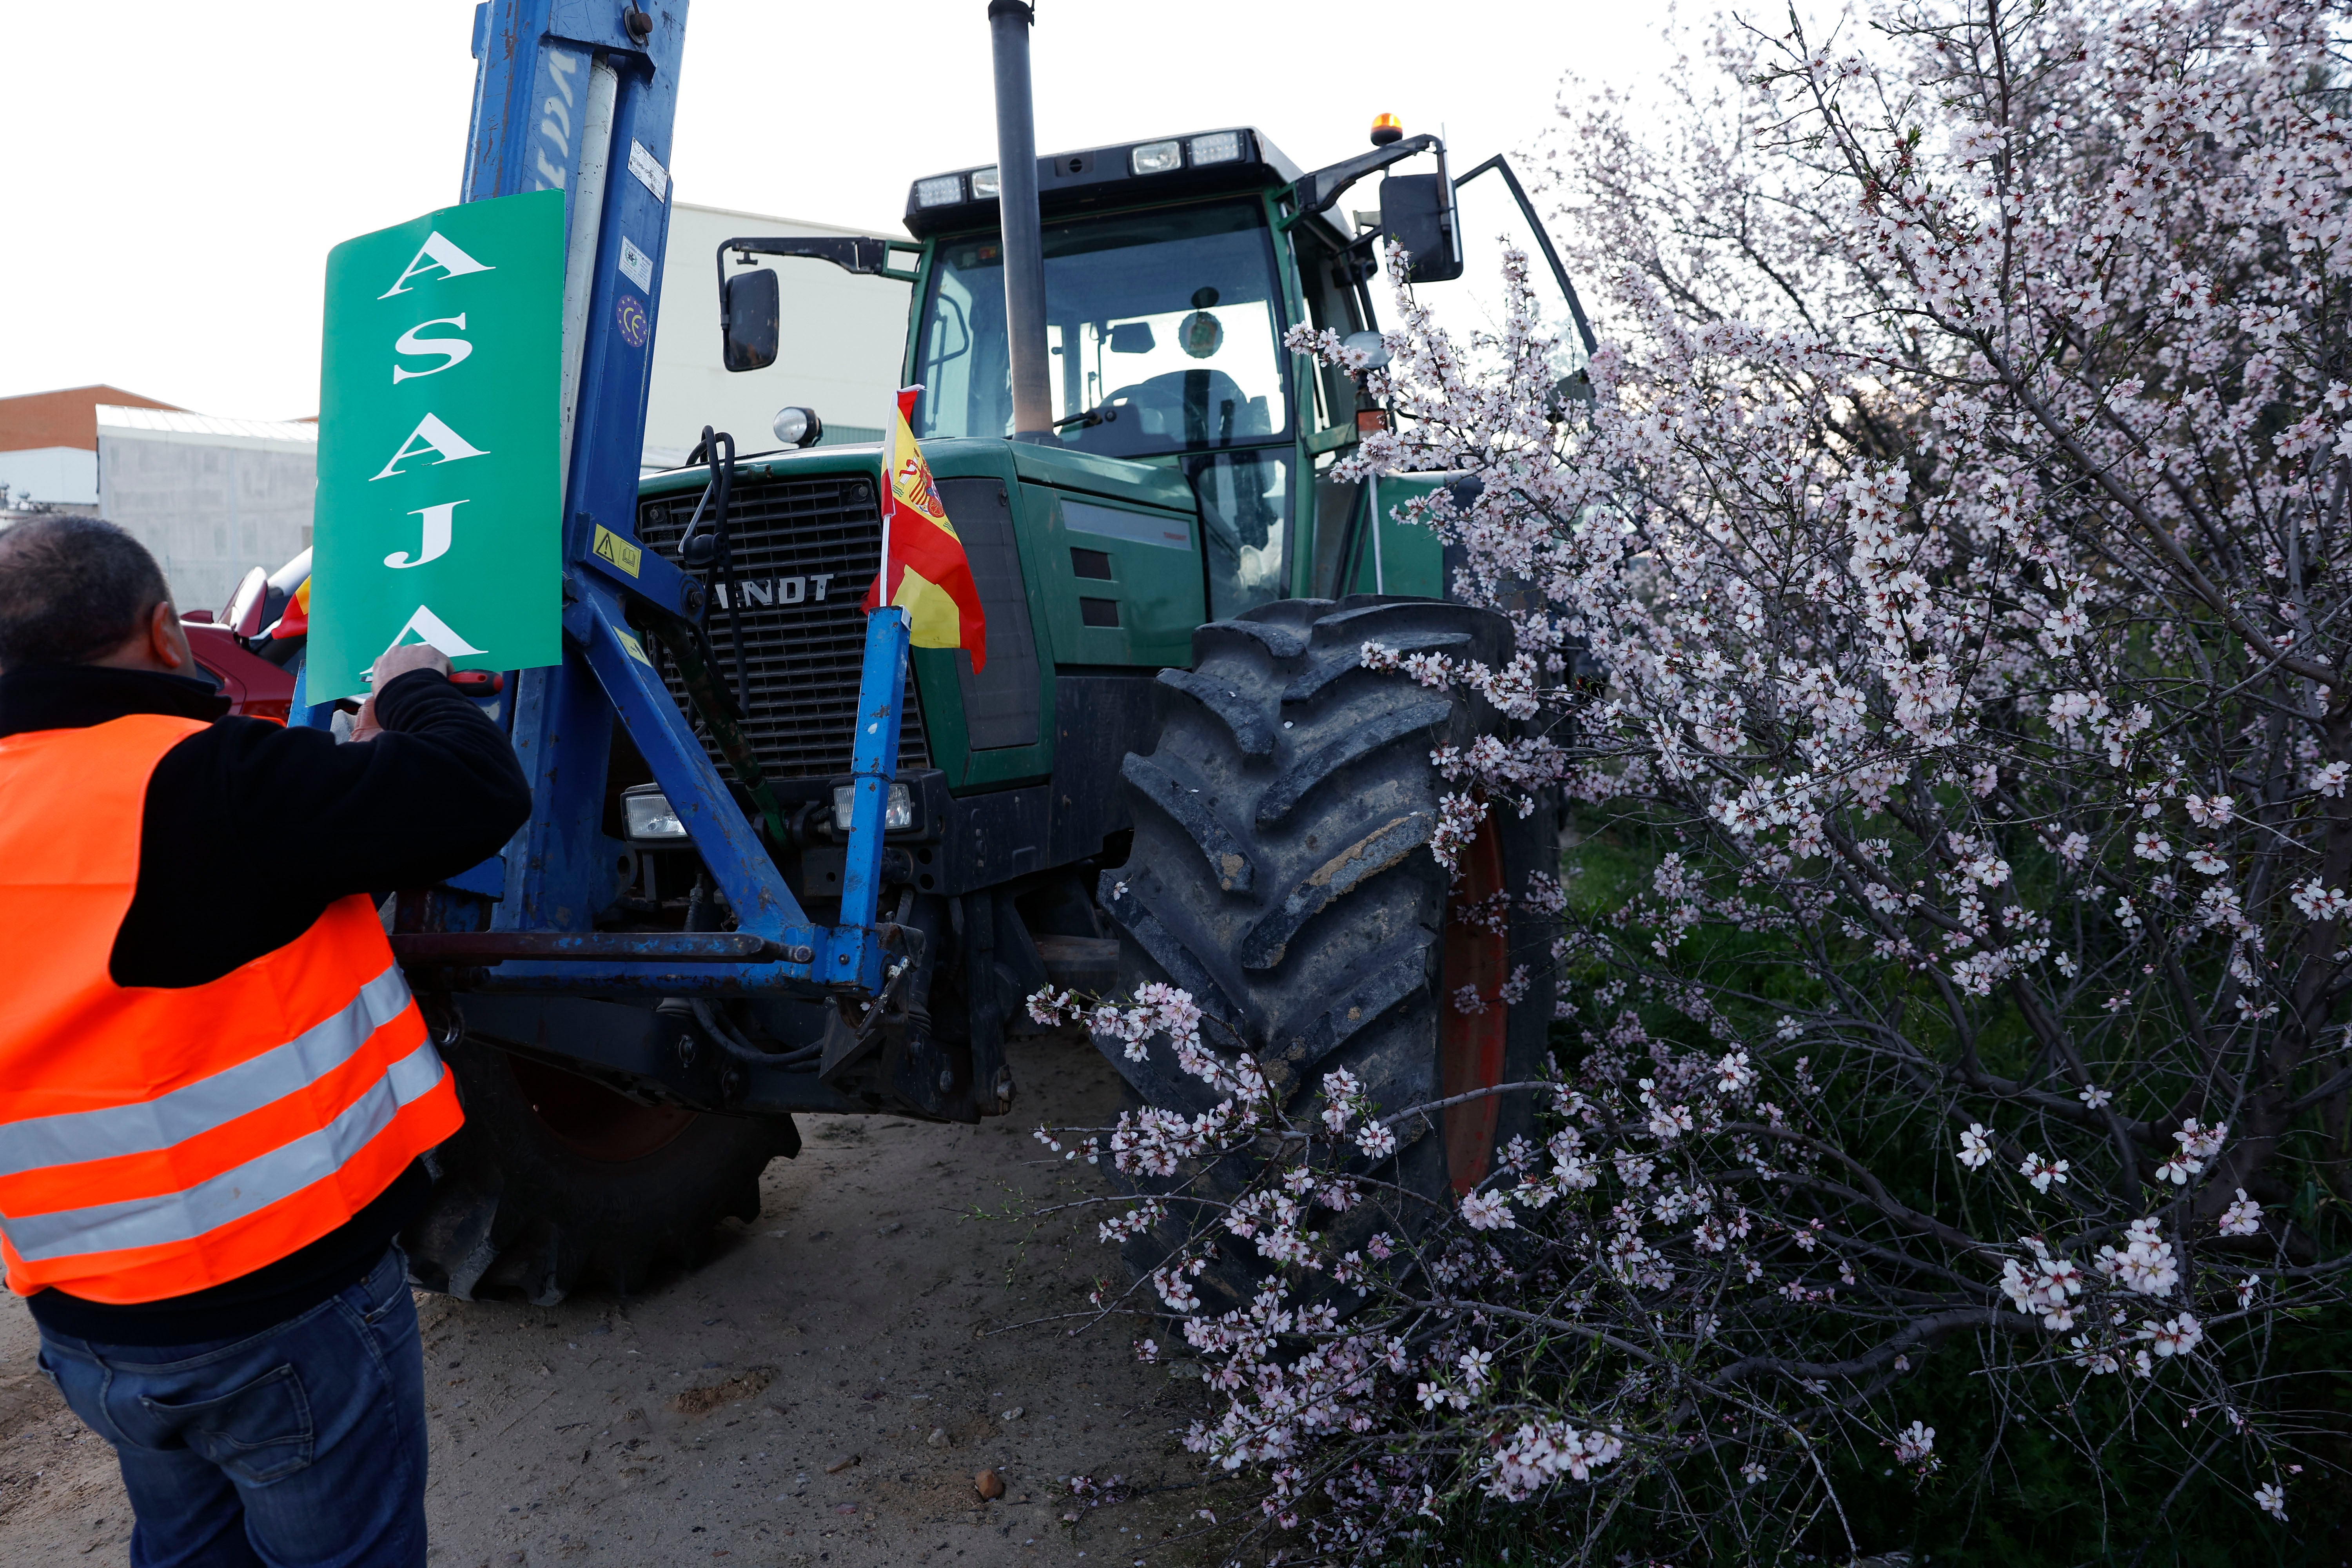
(1470, 1043)
(591, 1121)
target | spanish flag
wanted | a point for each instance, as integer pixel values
(923, 563)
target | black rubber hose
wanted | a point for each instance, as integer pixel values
(700, 911)
(723, 560)
(719, 582)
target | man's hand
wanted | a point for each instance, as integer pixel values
(390, 666)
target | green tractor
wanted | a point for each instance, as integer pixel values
(1174, 765)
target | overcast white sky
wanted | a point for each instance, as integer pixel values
(177, 172)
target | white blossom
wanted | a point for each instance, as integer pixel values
(1913, 1442)
(1487, 1211)
(2319, 901)
(2242, 1218)
(2145, 1264)
(2174, 1336)
(2042, 1170)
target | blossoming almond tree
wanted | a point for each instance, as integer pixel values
(1961, 512)
(1958, 967)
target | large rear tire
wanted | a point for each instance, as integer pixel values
(1281, 874)
(555, 1181)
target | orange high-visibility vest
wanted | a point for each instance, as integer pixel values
(157, 1141)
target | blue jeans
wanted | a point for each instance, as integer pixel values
(301, 1446)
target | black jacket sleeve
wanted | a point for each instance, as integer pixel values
(250, 830)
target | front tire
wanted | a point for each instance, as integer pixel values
(1281, 874)
(555, 1181)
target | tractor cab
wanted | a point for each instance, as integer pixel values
(1173, 269)
(1170, 279)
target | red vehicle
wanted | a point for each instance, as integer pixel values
(254, 686)
(247, 647)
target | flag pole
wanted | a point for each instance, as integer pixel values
(882, 591)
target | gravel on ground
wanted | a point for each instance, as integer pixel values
(822, 1392)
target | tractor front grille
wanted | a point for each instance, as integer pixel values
(805, 552)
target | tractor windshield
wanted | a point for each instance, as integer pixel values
(1165, 322)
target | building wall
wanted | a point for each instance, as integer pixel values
(207, 511)
(67, 474)
(838, 345)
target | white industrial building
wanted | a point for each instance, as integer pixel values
(209, 497)
(59, 476)
(837, 350)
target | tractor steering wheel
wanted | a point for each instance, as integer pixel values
(1165, 396)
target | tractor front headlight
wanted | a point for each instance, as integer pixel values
(797, 427)
(1156, 158)
(899, 812)
(649, 817)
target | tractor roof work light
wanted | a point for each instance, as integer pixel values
(1226, 161)
(1217, 147)
(1387, 127)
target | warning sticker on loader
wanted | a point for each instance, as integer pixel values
(438, 516)
(611, 547)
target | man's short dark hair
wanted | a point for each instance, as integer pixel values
(71, 589)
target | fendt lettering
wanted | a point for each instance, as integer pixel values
(751, 591)
(776, 863)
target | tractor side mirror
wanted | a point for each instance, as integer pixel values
(1417, 212)
(747, 314)
(1131, 338)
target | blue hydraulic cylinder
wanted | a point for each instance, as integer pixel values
(874, 760)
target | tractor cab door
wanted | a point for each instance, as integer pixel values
(1374, 552)
(1476, 308)
(1330, 287)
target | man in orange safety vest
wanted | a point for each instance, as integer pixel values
(215, 1087)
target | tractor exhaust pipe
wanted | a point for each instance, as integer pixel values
(1016, 201)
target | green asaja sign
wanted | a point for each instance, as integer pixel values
(439, 508)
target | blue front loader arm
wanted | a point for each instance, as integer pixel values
(579, 95)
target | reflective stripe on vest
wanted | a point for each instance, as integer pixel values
(157, 1141)
(186, 1214)
(208, 1102)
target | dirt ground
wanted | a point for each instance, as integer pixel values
(821, 1392)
